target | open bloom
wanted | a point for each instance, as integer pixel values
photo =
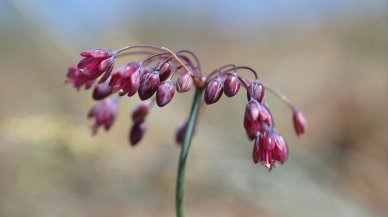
(77, 78)
(104, 114)
(269, 149)
(96, 62)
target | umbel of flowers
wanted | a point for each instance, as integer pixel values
(158, 75)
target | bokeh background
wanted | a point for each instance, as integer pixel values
(329, 57)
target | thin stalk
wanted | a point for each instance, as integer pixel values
(184, 152)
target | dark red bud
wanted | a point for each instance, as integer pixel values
(165, 93)
(251, 122)
(256, 91)
(299, 122)
(137, 132)
(180, 132)
(213, 91)
(149, 83)
(231, 85)
(165, 71)
(101, 91)
(140, 111)
(256, 151)
(184, 83)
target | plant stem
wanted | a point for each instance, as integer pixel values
(184, 152)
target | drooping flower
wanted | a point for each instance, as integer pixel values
(149, 84)
(104, 113)
(269, 149)
(101, 91)
(184, 83)
(165, 93)
(97, 62)
(77, 78)
(213, 91)
(256, 91)
(137, 132)
(231, 85)
(140, 111)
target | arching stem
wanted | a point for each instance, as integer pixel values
(179, 203)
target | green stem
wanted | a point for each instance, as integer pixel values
(184, 152)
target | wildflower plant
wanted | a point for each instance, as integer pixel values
(157, 77)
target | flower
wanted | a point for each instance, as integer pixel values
(77, 78)
(104, 114)
(101, 91)
(299, 121)
(96, 62)
(213, 91)
(231, 85)
(137, 132)
(165, 93)
(269, 149)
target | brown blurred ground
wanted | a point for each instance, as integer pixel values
(336, 70)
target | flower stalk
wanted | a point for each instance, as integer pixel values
(180, 184)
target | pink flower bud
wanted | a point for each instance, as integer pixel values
(213, 91)
(140, 111)
(165, 93)
(126, 79)
(299, 122)
(256, 91)
(101, 91)
(104, 113)
(180, 132)
(231, 85)
(165, 71)
(184, 83)
(149, 83)
(251, 116)
(137, 132)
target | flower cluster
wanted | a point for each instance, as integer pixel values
(160, 74)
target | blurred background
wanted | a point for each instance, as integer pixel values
(329, 57)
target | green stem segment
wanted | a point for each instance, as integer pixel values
(184, 152)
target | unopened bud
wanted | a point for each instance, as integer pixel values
(181, 132)
(137, 132)
(256, 91)
(165, 93)
(213, 91)
(149, 83)
(231, 85)
(299, 122)
(251, 122)
(184, 83)
(164, 71)
(140, 111)
(101, 91)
